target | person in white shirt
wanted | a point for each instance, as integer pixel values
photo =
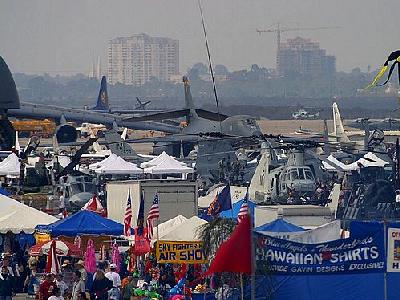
(55, 294)
(116, 280)
(78, 287)
(61, 285)
(62, 202)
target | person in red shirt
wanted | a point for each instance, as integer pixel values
(45, 287)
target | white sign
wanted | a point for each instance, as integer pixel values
(393, 250)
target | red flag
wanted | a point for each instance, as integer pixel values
(95, 205)
(234, 255)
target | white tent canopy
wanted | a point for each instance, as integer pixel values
(17, 217)
(165, 164)
(169, 167)
(10, 165)
(168, 226)
(99, 164)
(118, 166)
(186, 231)
(159, 159)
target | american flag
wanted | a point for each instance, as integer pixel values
(154, 213)
(244, 209)
(128, 216)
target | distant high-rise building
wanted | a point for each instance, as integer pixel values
(302, 56)
(136, 59)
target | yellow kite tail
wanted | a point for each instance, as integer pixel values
(377, 77)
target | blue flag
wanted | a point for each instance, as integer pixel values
(221, 202)
(141, 208)
(140, 216)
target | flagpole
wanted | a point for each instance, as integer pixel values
(253, 254)
(158, 217)
(241, 285)
(229, 183)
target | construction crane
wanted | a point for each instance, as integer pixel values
(280, 30)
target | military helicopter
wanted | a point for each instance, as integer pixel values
(222, 160)
(292, 182)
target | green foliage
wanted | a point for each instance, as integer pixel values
(214, 233)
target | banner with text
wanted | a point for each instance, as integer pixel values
(393, 253)
(180, 252)
(351, 255)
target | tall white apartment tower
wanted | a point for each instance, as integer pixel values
(136, 59)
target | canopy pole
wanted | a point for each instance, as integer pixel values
(385, 271)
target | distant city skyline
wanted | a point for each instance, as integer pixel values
(58, 37)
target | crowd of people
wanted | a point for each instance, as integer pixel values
(109, 281)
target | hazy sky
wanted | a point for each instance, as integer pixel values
(63, 36)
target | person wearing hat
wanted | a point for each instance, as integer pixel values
(81, 268)
(66, 265)
(116, 280)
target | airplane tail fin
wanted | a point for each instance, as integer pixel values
(326, 138)
(8, 91)
(338, 128)
(17, 145)
(102, 99)
(189, 104)
(124, 134)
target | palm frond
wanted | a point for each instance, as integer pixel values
(214, 233)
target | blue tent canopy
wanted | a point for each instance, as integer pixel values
(4, 192)
(279, 225)
(232, 213)
(81, 223)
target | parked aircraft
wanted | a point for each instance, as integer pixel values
(387, 124)
(103, 104)
(303, 114)
(198, 122)
(10, 105)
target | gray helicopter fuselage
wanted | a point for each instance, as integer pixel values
(239, 125)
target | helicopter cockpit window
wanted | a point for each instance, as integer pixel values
(301, 173)
(294, 175)
(308, 174)
(76, 188)
(90, 188)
